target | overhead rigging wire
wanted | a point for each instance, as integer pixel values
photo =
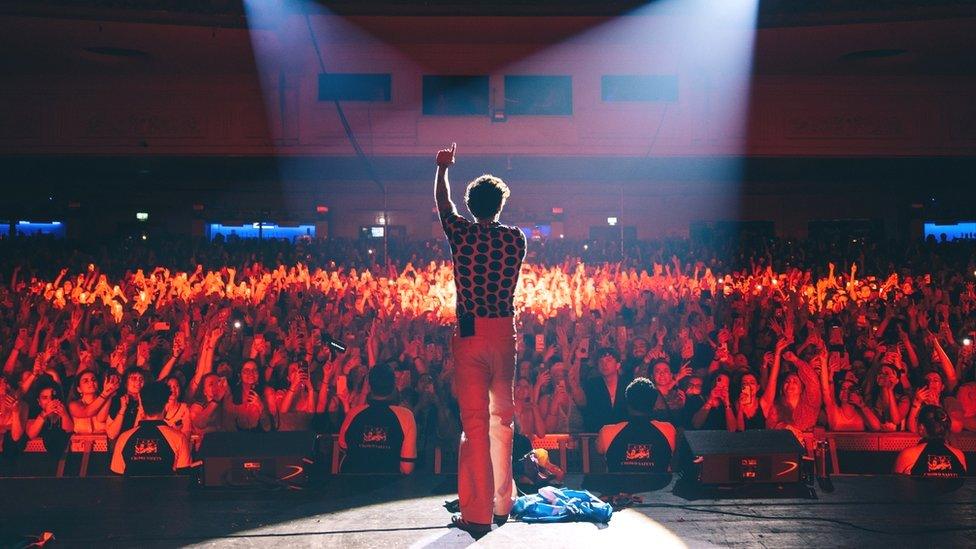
(351, 136)
(370, 171)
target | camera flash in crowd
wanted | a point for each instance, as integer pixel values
(237, 324)
(967, 342)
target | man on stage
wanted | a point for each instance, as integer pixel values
(487, 259)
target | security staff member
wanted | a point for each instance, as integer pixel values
(379, 437)
(933, 457)
(151, 447)
(640, 444)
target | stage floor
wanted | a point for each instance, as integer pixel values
(408, 512)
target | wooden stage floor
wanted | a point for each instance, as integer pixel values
(387, 513)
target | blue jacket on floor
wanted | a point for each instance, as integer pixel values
(561, 505)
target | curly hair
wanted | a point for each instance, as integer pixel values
(486, 196)
(934, 420)
(640, 395)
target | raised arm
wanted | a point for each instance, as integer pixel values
(827, 389)
(205, 360)
(947, 367)
(769, 391)
(442, 188)
(908, 346)
(18, 347)
(811, 383)
(114, 427)
(178, 342)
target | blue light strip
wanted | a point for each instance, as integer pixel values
(267, 230)
(54, 228)
(965, 230)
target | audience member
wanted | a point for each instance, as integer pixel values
(152, 447)
(640, 444)
(379, 437)
(933, 457)
(604, 401)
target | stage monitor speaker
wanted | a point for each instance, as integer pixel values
(240, 459)
(761, 456)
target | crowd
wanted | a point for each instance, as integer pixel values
(268, 335)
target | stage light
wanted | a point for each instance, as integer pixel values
(142, 216)
(370, 251)
(586, 246)
(380, 220)
(561, 235)
(611, 221)
(321, 209)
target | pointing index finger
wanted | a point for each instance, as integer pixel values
(453, 147)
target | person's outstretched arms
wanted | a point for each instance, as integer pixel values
(442, 188)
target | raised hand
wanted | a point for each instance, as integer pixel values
(119, 357)
(8, 402)
(543, 379)
(723, 395)
(253, 399)
(923, 395)
(112, 383)
(683, 372)
(55, 408)
(550, 352)
(40, 363)
(296, 382)
(782, 344)
(445, 157)
(714, 397)
(23, 339)
(142, 351)
(179, 344)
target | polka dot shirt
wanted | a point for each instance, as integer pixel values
(487, 261)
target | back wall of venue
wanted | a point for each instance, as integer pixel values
(241, 131)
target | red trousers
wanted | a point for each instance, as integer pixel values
(484, 370)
